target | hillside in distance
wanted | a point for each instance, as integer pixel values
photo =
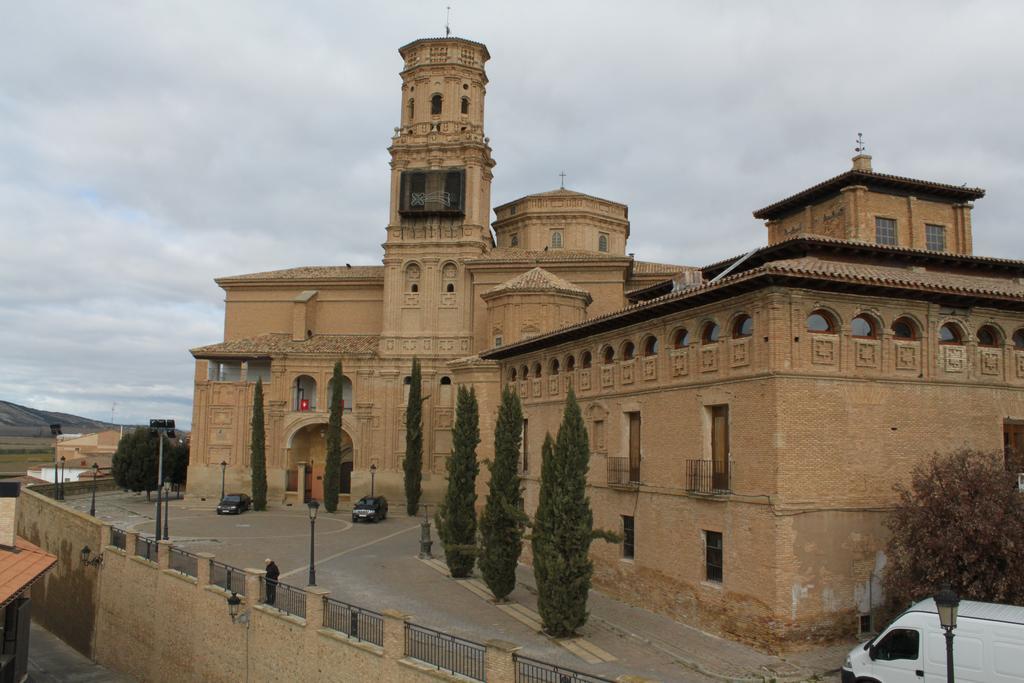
(16, 420)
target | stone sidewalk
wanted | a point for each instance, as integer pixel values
(51, 660)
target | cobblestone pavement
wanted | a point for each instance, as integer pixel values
(375, 566)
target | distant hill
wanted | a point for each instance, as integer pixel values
(18, 420)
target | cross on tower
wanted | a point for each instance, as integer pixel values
(562, 174)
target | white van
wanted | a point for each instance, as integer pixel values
(988, 647)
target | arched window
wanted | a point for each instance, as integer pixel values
(651, 346)
(536, 369)
(465, 105)
(346, 394)
(412, 108)
(602, 242)
(1018, 340)
(435, 104)
(406, 386)
(743, 327)
(554, 366)
(821, 322)
(710, 333)
(412, 277)
(450, 288)
(680, 339)
(988, 336)
(448, 274)
(950, 334)
(607, 355)
(864, 327)
(446, 381)
(304, 393)
(904, 328)
(628, 351)
(445, 398)
(570, 363)
(585, 360)
(556, 239)
(524, 372)
(512, 374)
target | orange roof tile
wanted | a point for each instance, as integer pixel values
(20, 567)
(278, 343)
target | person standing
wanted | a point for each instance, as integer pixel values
(271, 582)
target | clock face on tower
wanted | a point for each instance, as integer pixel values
(432, 192)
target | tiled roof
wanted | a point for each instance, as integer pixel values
(649, 268)
(560, 192)
(516, 255)
(538, 280)
(20, 567)
(311, 273)
(278, 343)
(871, 179)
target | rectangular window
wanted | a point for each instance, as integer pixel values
(526, 446)
(634, 447)
(720, 448)
(627, 537)
(513, 240)
(935, 237)
(602, 241)
(428, 192)
(556, 239)
(713, 556)
(497, 341)
(885, 230)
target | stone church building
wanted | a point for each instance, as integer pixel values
(747, 419)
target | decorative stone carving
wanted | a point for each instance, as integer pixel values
(650, 368)
(389, 344)
(220, 435)
(443, 418)
(680, 364)
(221, 417)
(585, 379)
(1020, 364)
(990, 362)
(537, 388)
(866, 354)
(412, 300)
(627, 371)
(709, 358)
(823, 350)
(448, 300)
(607, 376)
(553, 385)
(408, 344)
(906, 356)
(222, 395)
(955, 358)
(740, 352)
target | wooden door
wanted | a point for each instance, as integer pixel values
(634, 447)
(346, 477)
(720, 447)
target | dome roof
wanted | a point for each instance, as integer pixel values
(538, 280)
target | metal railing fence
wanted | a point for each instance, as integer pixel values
(621, 472)
(707, 476)
(146, 547)
(444, 651)
(184, 562)
(284, 597)
(227, 577)
(355, 622)
(118, 539)
(534, 671)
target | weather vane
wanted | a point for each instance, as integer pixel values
(562, 174)
(448, 21)
(859, 149)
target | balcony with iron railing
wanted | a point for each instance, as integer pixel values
(622, 473)
(708, 477)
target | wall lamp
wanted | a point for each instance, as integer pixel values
(234, 606)
(94, 562)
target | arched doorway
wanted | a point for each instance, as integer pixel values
(309, 447)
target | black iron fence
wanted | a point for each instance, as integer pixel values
(622, 472)
(354, 622)
(118, 538)
(444, 651)
(707, 476)
(284, 597)
(227, 577)
(146, 547)
(534, 671)
(184, 562)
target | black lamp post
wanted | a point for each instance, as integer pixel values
(373, 475)
(160, 428)
(314, 507)
(948, 603)
(223, 469)
(55, 430)
(167, 511)
(60, 486)
(95, 471)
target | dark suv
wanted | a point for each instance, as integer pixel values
(370, 508)
(234, 504)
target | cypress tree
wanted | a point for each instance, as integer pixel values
(564, 527)
(413, 462)
(258, 450)
(332, 468)
(456, 518)
(502, 522)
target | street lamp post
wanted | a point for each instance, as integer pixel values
(95, 471)
(167, 511)
(425, 542)
(55, 430)
(223, 469)
(160, 428)
(60, 486)
(948, 603)
(373, 475)
(314, 507)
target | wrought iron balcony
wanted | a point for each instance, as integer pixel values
(708, 476)
(622, 473)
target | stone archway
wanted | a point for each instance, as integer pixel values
(307, 451)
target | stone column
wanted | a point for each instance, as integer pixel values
(253, 583)
(315, 605)
(130, 537)
(499, 661)
(394, 634)
(105, 536)
(163, 554)
(203, 569)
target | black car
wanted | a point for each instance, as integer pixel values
(370, 508)
(234, 504)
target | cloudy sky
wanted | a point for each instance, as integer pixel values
(148, 147)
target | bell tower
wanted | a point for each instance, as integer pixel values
(440, 198)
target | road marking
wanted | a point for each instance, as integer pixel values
(305, 568)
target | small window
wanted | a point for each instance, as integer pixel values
(863, 327)
(935, 237)
(628, 351)
(821, 322)
(602, 241)
(607, 355)
(435, 104)
(513, 240)
(865, 623)
(904, 328)
(497, 341)
(512, 373)
(554, 367)
(446, 381)
(585, 360)
(1018, 340)
(743, 327)
(899, 643)
(570, 363)
(524, 372)
(450, 288)
(556, 239)
(414, 288)
(412, 108)
(627, 537)
(465, 105)
(885, 231)
(536, 369)
(711, 333)
(713, 556)
(950, 334)
(987, 336)
(680, 339)
(651, 346)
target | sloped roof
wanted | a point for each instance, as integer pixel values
(310, 273)
(538, 280)
(20, 567)
(650, 268)
(517, 255)
(280, 343)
